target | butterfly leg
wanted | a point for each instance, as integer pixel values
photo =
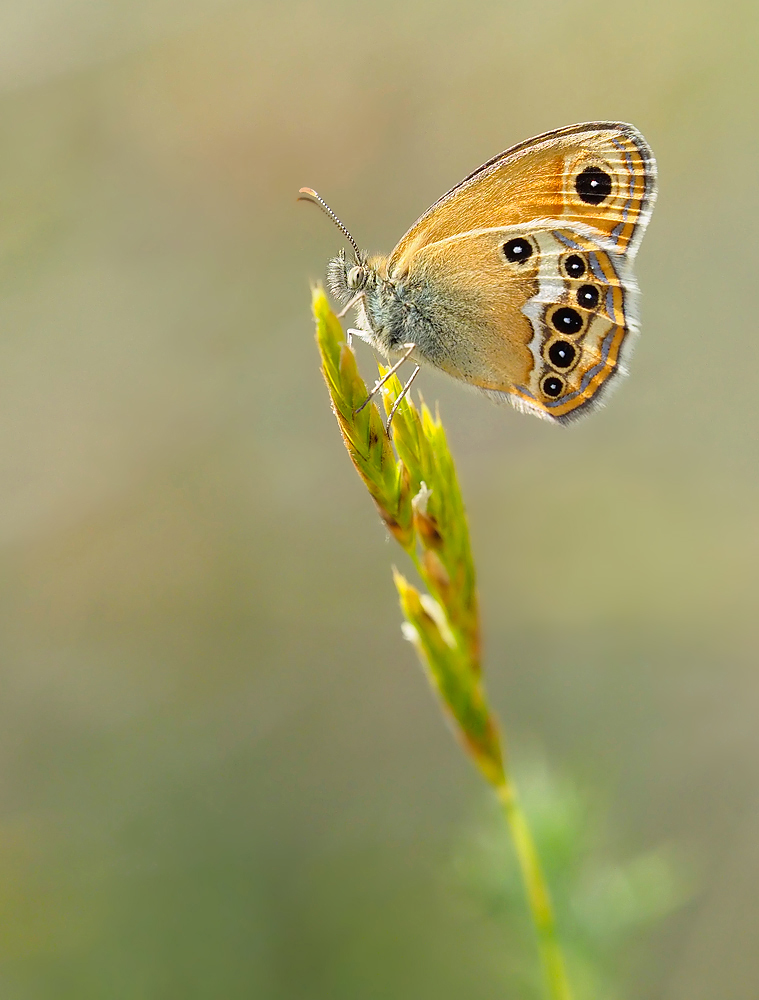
(358, 297)
(401, 394)
(408, 349)
(352, 332)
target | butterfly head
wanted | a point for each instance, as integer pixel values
(346, 278)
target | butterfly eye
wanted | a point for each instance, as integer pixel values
(567, 320)
(562, 354)
(356, 278)
(517, 251)
(552, 386)
(574, 265)
(587, 296)
(593, 185)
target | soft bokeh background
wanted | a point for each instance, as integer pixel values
(221, 773)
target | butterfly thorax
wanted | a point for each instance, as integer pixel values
(365, 282)
(399, 308)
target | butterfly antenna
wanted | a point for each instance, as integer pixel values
(307, 194)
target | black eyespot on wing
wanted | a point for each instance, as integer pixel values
(574, 265)
(593, 185)
(552, 386)
(567, 320)
(518, 250)
(562, 354)
(587, 296)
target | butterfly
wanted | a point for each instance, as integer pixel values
(519, 280)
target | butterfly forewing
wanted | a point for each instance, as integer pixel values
(600, 174)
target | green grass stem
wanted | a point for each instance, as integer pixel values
(412, 481)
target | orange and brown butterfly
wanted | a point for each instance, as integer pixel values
(519, 280)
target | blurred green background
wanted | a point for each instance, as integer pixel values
(221, 773)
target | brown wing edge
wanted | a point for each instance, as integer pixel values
(595, 402)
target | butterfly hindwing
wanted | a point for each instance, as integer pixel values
(544, 313)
